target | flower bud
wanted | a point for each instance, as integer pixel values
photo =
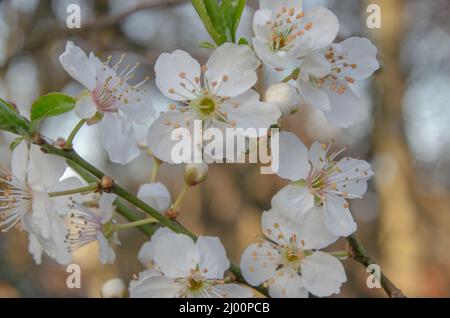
(195, 173)
(285, 96)
(114, 288)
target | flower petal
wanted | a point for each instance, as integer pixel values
(276, 5)
(322, 274)
(213, 258)
(156, 195)
(146, 253)
(156, 287)
(160, 134)
(63, 204)
(107, 254)
(293, 201)
(19, 162)
(259, 263)
(44, 170)
(337, 216)
(288, 284)
(231, 70)
(139, 109)
(119, 138)
(176, 255)
(106, 206)
(353, 177)
(362, 54)
(293, 156)
(174, 70)
(76, 63)
(346, 108)
(85, 107)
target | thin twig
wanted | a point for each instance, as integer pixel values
(358, 253)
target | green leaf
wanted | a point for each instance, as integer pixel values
(236, 9)
(217, 18)
(207, 45)
(11, 121)
(243, 41)
(51, 105)
(15, 143)
(200, 7)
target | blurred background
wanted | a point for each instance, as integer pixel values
(404, 219)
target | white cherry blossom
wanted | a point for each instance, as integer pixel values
(178, 267)
(219, 94)
(87, 226)
(326, 76)
(25, 201)
(110, 99)
(284, 33)
(288, 261)
(318, 179)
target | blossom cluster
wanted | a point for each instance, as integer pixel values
(308, 215)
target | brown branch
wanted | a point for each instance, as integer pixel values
(358, 253)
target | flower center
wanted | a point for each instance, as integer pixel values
(206, 106)
(195, 284)
(286, 28)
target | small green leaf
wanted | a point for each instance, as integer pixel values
(15, 143)
(243, 41)
(51, 105)
(207, 45)
(216, 16)
(11, 121)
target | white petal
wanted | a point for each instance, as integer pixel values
(314, 96)
(322, 274)
(337, 217)
(156, 287)
(312, 230)
(176, 255)
(293, 201)
(276, 5)
(19, 162)
(119, 139)
(160, 133)
(139, 109)
(233, 68)
(213, 258)
(259, 263)
(315, 65)
(170, 68)
(106, 206)
(44, 169)
(345, 109)
(287, 284)
(260, 27)
(293, 157)
(77, 65)
(35, 249)
(62, 204)
(85, 106)
(233, 291)
(107, 254)
(278, 228)
(42, 210)
(146, 253)
(362, 53)
(324, 27)
(254, 115)
(353, 177)
(156, 195)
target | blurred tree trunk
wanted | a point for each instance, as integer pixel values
(398, 236)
